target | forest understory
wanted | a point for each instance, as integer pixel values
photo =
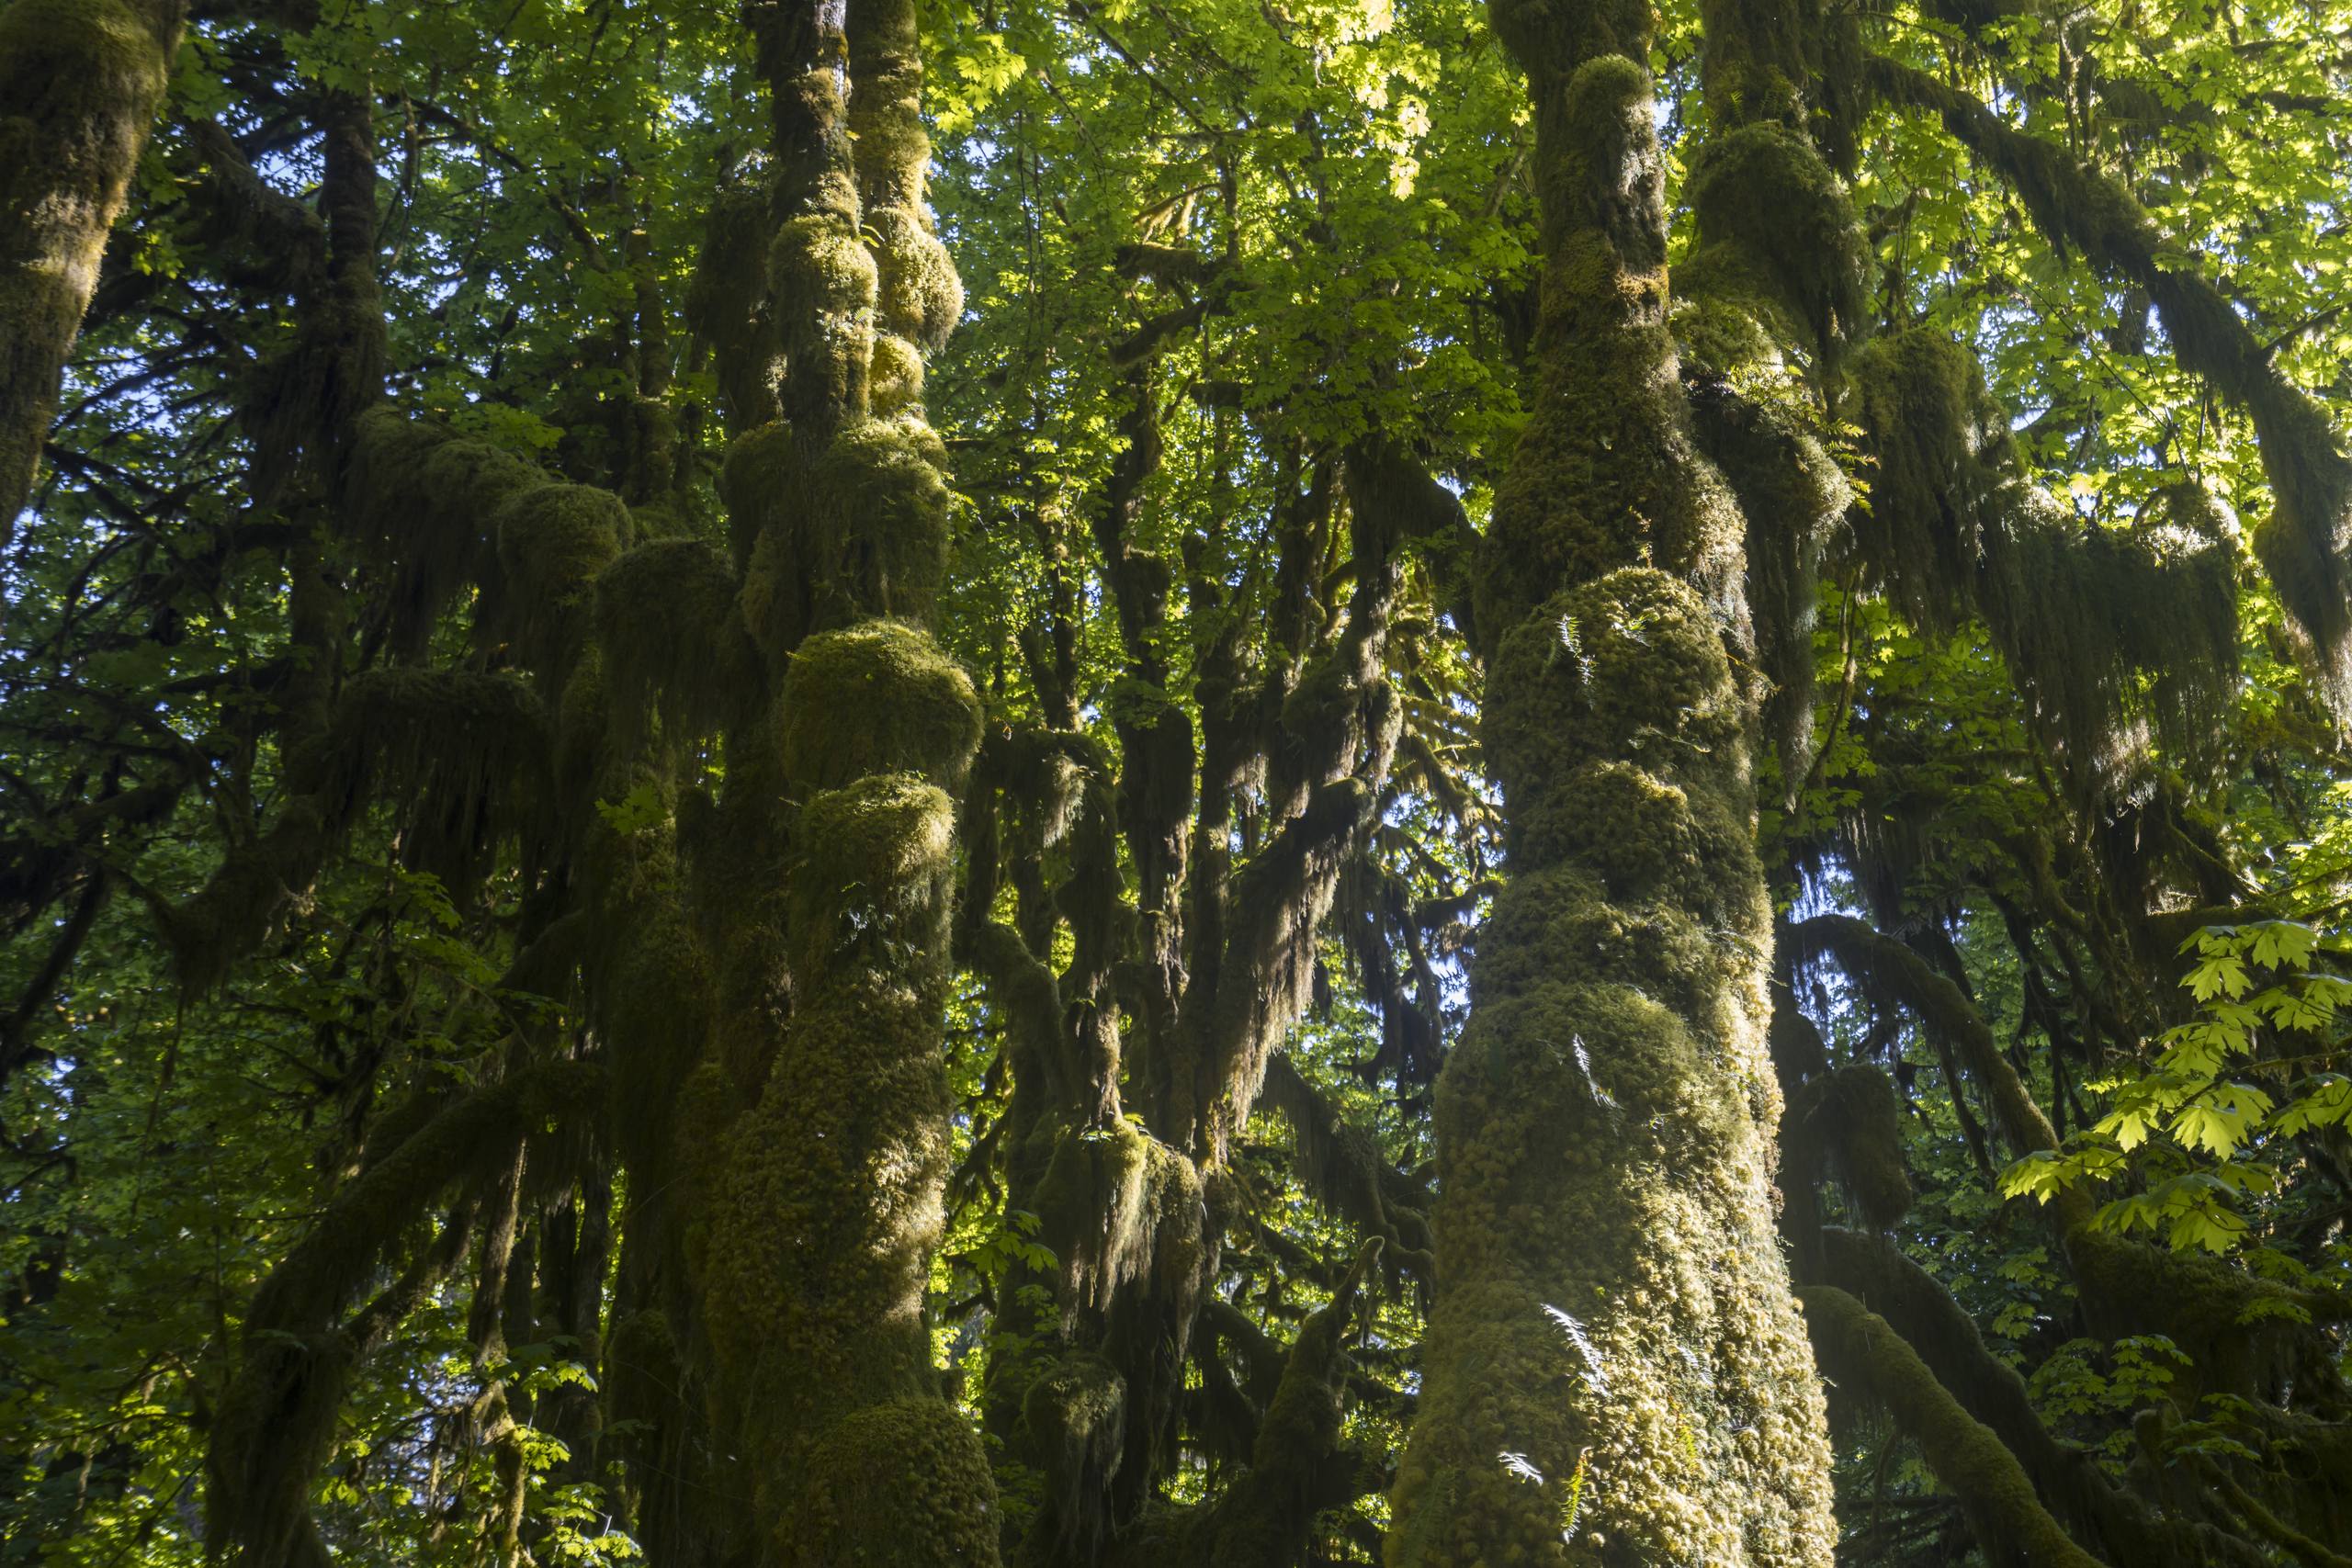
(1176, 783)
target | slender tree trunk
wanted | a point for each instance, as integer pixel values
(1614, 1313)
(79, 83)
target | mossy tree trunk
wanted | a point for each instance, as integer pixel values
(1614, 1315)
(814, 1195)
(79, 83)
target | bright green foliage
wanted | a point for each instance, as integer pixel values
(2209, 1136)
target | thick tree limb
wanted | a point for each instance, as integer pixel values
(277, 1422)
(1863, 1355)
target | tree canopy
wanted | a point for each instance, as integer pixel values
(1178, 783)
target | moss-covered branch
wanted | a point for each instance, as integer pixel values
(1914, 1306)
(1893, 974)
(1864, 1357)
(1340, 1165)
(278, 1420)
(2307, 543)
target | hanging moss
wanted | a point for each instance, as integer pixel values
(2306, 544)
(553, 541)
(1850, 1121)
(674, 645)
(275, 1423)
(651, 1000)
(425, 504)
(582, 757)
(1075, 1413)
(726, 304)
(465, 755)
(2103, 628)
(267, 239)
(1794, 495)
(1340, 1165)
(641, 1368)
(1774, 225)
(760, 484)
(876, 697)
(1935, 438)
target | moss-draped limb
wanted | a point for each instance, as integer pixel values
(1613, 1304)
(1086, 1356)
(267, 239)
(1340, 1166)
(79, 84)
(2268, 1525)
(2307, 543)
(307, 408)
(1766, 305)
(2127, 1287)
(1863, 1356)
(1128, 1288)
(278, 1418)
(438, 509)
(2099, 626)
(1791, 494)
(1846, 1123)
(1299, 1466)
(1893, 974)
(1328, 751)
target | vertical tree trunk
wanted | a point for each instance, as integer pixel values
(79, 83)
(1614, 1315)
(814, 1229)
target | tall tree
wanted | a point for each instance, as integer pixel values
(1613, 1318)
